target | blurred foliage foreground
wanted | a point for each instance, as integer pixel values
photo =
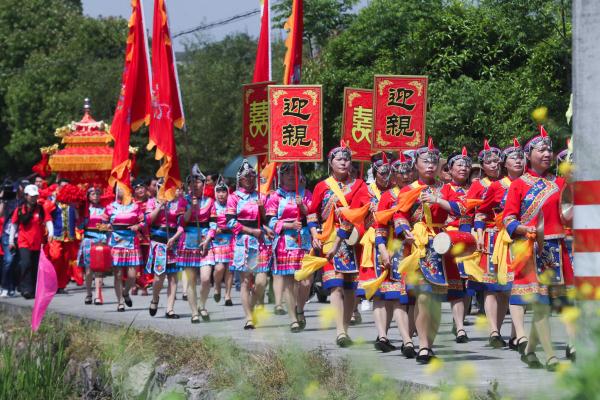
(70, 358)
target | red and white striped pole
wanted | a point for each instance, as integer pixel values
(586, 141)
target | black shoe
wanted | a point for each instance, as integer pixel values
(88, 300)
(295, 327)
(171, 315)
(98, 302)
(496, 341)
(204, 314)
(570, 353)
(376, 344)
(531, 360)
(385, 346)
(153, 310)
(121, 308)
(195, 319)
(301, 319)
(521, 344)
(425, 358)
(127, 300)
(343, 340)
(408, 350)
(279, 310)
(184, 297)
(461, 336)
(217, 297)
(249, 325)
(27, 295)
(552, 367)
(228, 303)
(512, 343)
(356, 318)
(62, 291)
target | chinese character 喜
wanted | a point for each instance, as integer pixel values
(398, 125)
(295, 135)
(259, 118)
(399, 96)
(362, 121)
(293, 107)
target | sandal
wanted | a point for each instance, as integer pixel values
(217, 297)
(496, 341)
(531, 360)
(228, 302)
(204, 314)
(301, 318)
(249, 325)
(425, 358)
(153, 310)
(343, 340)
(279, 310)
(171, 315)
(356, 318)
(512, 343)
(121, 307)
(521, 344)
(295, 327)
(385, 346)
(127, 300)
(88, 299)
(195, 319)
(461, 338)
(570, 353)
(98, 302)
(552, 367)
(408, 350)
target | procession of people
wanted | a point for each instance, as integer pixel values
(404, 235)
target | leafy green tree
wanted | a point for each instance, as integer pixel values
(489, 64)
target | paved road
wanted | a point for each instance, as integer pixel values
(502, 366)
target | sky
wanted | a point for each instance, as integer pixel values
(187, 14)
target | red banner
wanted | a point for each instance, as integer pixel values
(358, 122)
(399, 109)
(255, 127)
(295, 123)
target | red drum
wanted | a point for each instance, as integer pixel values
(100, 258)
(463, 243)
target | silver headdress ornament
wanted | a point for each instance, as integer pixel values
(246, 169)
(195, 174)
(538, 141)
(221, 185)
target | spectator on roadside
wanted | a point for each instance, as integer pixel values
(10, 198)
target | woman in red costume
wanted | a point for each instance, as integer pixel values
(542, 268)
(339, 275)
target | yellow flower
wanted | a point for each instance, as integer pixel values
(377, 378)
(565, 168)
(395, 245)
(312, 390)
(466, 371)
(327, 316)
(586, 289)
(596, 293)
(570, 314)
(260, 315)
(434, 366)
(540, 114)
(481, 323)
(547, 277)
(572, 293)
(412, 278)
(528, 297)
(459, 393)
(563, 367)
(429, 396)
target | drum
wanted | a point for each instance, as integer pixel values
(461, 243)
(100, 258)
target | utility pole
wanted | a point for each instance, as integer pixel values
(586, 140)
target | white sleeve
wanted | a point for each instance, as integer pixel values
(50, 228)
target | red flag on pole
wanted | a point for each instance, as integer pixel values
(262, 65)
(167, 110)
(133, 106)
(293, 56)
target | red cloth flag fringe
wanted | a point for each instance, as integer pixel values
(293, 56)
(133, 106)
(46, 287)
(262, 65)
(167, 110)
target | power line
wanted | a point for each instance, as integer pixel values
(218, 23)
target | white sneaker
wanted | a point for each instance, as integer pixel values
(3, 293)
(366, 305)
